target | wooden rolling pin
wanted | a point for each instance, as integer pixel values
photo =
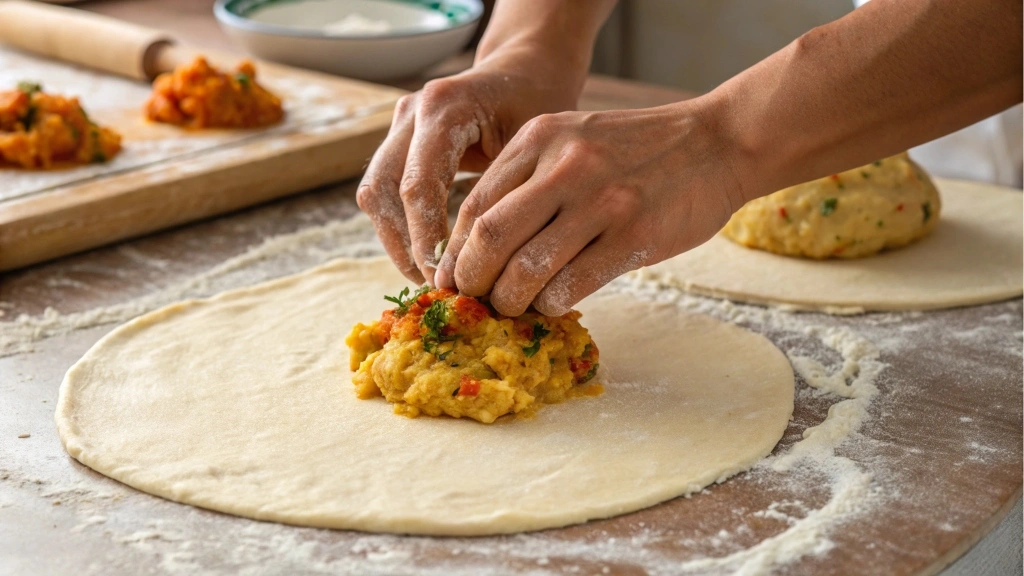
(91, 40)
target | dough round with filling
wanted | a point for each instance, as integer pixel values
(441, 353)
(975, 256)
(243, 403)
(860, 212)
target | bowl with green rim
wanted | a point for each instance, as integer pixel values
(374, 40)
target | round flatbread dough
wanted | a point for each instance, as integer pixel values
(244, 403)
(884, 205)
(974, 256)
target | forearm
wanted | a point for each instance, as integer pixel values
(887, 77)
(554, 37)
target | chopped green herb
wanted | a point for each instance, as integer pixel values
(539, 331)
(865, 175)
(400, 299)
(435, 319)
(590, 374)
(455, 364)
(828, 206)
(97, 155)
(879, 223)
(29, 118)
(456, 393)
(403, 302)
(243, 79)
(587, 348)
(926, 208)
(75, 132)
(551, 361)
(29, 88)
(532, 349)
(877, 163)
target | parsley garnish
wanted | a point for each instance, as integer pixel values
(865, 174)
(435, 319)
(590, 374)
(29, 118)
(403, 302)
(877, 162)
(828, 206)
(539, 331)
(243, 79)
(97, 155)
(29, 88)
(927, 209)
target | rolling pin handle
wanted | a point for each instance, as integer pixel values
(83, 38)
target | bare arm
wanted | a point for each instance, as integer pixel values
(578, 198)
(532, 60)
(889, 76)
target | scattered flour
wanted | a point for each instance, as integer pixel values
(352, 237)
(832, 362)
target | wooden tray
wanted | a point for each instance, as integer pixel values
(164, 176)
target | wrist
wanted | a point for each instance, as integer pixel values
(737, 155)
(558, 64)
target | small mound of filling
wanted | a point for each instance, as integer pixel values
(40, 130)
(439, 353)
(197, 95)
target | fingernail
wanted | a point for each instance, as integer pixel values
(442, 279)
(428, 276)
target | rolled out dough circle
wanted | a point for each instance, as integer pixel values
(243, 403)
(974, 256)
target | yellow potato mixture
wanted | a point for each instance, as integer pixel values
(440, 353)
(884, 205)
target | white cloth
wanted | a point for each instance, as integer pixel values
(990, 151)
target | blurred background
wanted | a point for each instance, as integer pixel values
(690, 46)
(693, 45)
(698, 44)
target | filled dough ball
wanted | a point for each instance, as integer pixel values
(887, 204)
(440, 353)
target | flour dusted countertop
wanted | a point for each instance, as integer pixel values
(914, 450)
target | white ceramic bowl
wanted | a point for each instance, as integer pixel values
(367, 39)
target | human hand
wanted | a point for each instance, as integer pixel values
(457, 123)
(577, 199)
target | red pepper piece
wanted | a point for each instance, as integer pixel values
(468, 386)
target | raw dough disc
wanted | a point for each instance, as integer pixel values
(973, 256)
(243, 403)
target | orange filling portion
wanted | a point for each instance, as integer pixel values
(40, 130)
(197, 95)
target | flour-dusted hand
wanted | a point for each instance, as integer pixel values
(464, 121)
(579, 198)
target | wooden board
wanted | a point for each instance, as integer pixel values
(942, 443)
(167, 176)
